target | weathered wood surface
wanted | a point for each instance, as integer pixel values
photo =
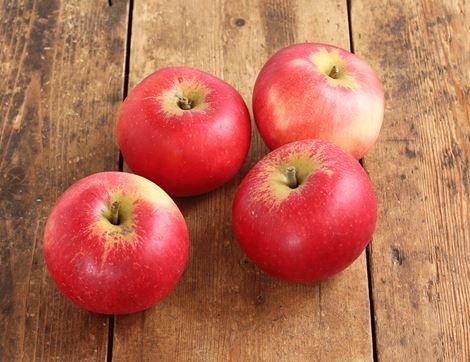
(61, 64)
(420, 255)
(61, 69)
(224, 308)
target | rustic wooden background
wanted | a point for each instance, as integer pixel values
(65, 67)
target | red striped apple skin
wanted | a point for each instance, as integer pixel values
(310, 232)
(115, 269)
(294, 98)
(186, 152)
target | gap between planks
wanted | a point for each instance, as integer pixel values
(368, 251)
(125, 89)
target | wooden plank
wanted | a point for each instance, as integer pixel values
(420, 254)
(61, 65)
(224, 308)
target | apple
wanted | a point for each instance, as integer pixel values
(318, 91)
(185, 130)
(115, 243)
(305, 211)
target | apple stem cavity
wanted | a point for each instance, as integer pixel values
(184, 103)
(114, 217)
(291, 174)
(334, 72)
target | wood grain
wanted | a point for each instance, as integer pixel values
(61, 65)
(224, 308)
(420, 255)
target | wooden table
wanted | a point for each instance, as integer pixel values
(65, 67)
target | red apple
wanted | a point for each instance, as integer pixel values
(184, 129)
(318, 91)
(305, 211)
(115, 243)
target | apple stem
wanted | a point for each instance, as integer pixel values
(184, 103)
(115, 213)
(334, 72)
(291, 173)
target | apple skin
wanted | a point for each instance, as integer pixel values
(315, 230)
(186, 152)
(115, 269)
(295, 99)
